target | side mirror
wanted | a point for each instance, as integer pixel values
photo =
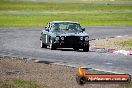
(83, 29)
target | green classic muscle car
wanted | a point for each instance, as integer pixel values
(64, 34)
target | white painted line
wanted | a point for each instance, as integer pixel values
(36, 61)
(108, 63)
(119, 36)
(109, 71)
(121, 52)
(130, 52)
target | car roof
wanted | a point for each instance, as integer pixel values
(63, 22)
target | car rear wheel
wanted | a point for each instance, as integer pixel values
(52, 46)
(86, 48)
(42, 45)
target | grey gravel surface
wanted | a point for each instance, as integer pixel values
(46, 75)
(24, 42)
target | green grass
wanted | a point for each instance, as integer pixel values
(126, 43)
(80, 1)
(93, 19)
(86, 14)
(65, 7)
(19, 83)
(23, 83)
(129, 43)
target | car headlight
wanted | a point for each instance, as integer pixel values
(86, 38)
(57, 38)
(81, 38)
(62, 38)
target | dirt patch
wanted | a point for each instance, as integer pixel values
(116, 43)
(49, 75)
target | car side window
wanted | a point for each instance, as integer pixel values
(55, 27)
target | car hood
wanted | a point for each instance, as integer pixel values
(71, 34)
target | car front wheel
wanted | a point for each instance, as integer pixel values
(86, 48)
(52, 46)
(42, 45)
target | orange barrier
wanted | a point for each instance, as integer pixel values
(82, 77)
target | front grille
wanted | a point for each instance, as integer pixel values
(72, 39)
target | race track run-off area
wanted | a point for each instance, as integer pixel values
(24, 42)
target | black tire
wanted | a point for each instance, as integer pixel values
(80, 80)
(42, 45)
(86, 48)
(52, 46)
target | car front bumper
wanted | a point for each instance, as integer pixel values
(63, 44)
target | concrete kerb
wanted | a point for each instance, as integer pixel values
(60, 64)
(110, 50)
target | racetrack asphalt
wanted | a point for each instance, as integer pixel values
(24, 42)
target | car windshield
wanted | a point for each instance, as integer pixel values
(67, 27)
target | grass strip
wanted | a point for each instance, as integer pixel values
(104, 19)
(58, 7)
(126, 43)
(19, 83)
(86, 14)
(92, 19)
